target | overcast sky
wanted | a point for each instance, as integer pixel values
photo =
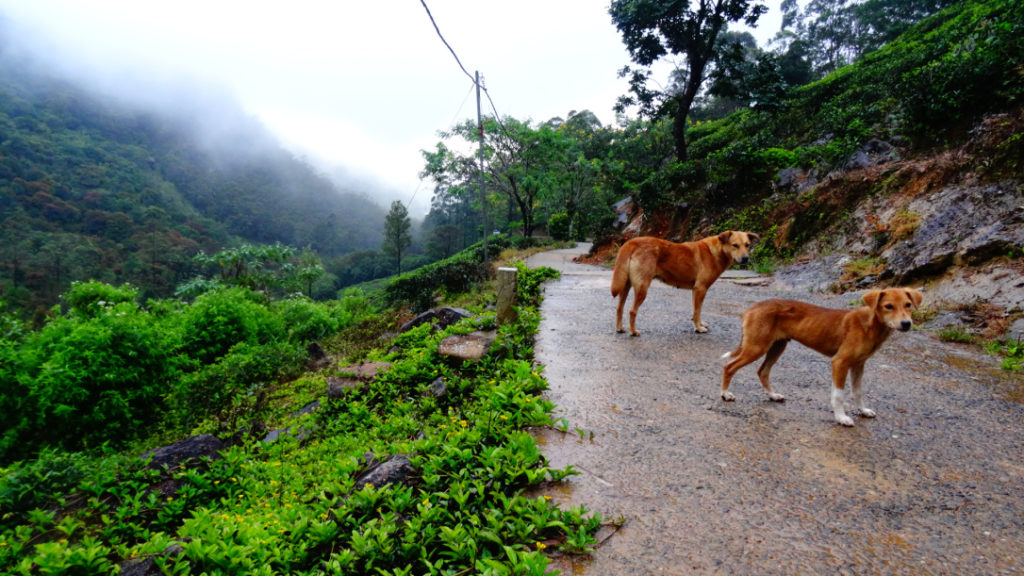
(364, 85)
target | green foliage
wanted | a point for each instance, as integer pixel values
(453, 275)
(108, 373)
(307, 321)
(219, 320)
(92, 189)
(233, 390)
(558, 226)
(1012, 353)
(529, 281)
(40, 483)
(294, 506)
(958, 335)
(90, 299)
(91, 380)
(396, 233)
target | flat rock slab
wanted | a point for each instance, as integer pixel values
(365, 370)
(473, 346)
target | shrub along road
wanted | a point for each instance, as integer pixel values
(933, 485)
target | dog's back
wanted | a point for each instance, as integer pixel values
(816, 327)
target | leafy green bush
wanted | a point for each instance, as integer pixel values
(99, 379)
(558, 226)
(219, 320)
(88, 299)
(454, 275)
(304, 319)
(233, 389)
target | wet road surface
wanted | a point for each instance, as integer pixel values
(933, 485)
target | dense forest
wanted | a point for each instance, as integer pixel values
(92, 188)
(123, 216)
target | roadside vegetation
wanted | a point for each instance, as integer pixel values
(124, 376)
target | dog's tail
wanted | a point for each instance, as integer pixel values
(620, 274)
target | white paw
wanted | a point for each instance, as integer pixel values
(728, 396)
(867, 412)
(702, 329)
(776, 397)
(844, 420)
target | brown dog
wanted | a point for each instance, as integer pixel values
(849, 337)
(691, 265)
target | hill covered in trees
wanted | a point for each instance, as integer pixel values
(92, 187)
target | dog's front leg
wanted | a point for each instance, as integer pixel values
(839, 371)
(699, 291)
(858, 399)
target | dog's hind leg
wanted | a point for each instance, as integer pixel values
(620, 307)
(639, 295)
(856, 372)
(747, 354)
(773, 354)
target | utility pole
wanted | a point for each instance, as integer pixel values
(483, 195)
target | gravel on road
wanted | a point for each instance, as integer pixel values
(933, 485)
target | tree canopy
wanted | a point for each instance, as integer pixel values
(653, 29)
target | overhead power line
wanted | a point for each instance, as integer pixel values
(450, 49)
(497, 117)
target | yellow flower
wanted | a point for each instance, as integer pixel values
(541, 545)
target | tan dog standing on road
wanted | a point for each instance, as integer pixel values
(690, 265)
(849, 337)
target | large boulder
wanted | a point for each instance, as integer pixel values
(192, 448)
(440, 317)
(959, 225)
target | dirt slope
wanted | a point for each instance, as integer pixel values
(934, 485)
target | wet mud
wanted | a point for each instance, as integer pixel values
(933, 485)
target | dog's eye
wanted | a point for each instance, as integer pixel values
(907, 305)
(888, 307)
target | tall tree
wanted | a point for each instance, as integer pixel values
(652, 29)
(396, 233)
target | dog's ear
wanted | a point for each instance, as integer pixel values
(724, 236)
(872, 298)
(754, 237)
(916, 297)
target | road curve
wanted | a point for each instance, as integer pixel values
(933, 485)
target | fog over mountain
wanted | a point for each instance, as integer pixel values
(210, 109)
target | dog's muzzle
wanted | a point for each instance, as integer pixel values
(905, 325)
(744, 260)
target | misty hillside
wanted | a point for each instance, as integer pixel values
(94, 188)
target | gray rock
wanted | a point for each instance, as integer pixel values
(472, 346)
(192, 448)
(441, 317)
(959, 225)
(438, 388)
(395, 470)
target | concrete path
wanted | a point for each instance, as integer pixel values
(934, 485)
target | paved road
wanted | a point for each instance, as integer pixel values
(934, 485)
